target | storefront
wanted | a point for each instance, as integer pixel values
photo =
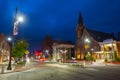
(62, 51)
(108, 47)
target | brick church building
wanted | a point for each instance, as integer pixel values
(88, 40)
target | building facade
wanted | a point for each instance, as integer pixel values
(107, 51)
(88, 41)
(57, 50)
(62, 51)
(4, 49)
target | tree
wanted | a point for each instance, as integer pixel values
(88, 56)
(19, 48)
(47, 46)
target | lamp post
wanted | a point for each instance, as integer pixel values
(2, 50)
(9, 64)
(17, 20)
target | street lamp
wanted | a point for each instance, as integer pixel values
(9, 39)
(20, 18)
(17, 19)
(87, 40)
(9, 64)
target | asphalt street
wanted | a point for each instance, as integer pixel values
(55, 71)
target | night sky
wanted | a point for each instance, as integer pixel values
(58, 18)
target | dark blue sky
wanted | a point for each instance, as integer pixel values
(59, 18)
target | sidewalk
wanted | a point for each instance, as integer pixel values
(15, 68)
(84, 64)
(5, 69)
(21, 68)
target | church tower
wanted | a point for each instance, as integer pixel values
(79, 33)
(84, 41)
(79, 27)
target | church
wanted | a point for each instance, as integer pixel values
(90, 41)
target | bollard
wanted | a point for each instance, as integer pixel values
(84, 64)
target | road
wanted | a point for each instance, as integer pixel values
(52, 71)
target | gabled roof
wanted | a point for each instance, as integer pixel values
(96, 35)
(99, 36)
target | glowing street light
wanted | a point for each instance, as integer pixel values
(20, 18)
(9, 39)
(92, 49)
(87, 40)
(17, 19)
(47, 51)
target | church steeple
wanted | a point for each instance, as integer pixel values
(80, 27)
(80, 20)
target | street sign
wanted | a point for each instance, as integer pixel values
(27, 52)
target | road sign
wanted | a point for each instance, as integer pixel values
(27, 52)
